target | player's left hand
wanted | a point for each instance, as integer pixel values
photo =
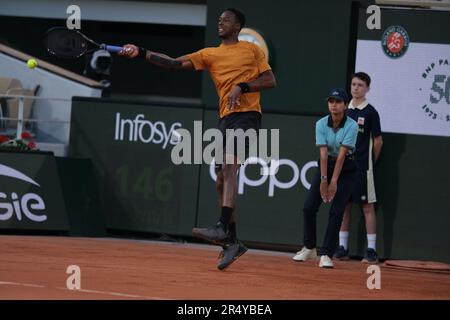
(332, 188)
(234, 98)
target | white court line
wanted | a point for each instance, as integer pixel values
(21, 284)
(117, 294)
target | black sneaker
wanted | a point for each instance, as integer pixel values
(215, 234)
(224, 245)
(341, 254)
(370, 256)
(231, 252)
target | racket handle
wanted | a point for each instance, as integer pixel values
(114, 48)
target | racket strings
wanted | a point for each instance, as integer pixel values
(66, 43)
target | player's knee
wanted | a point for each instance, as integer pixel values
(369, 214)
(229, 170)
(368, 209)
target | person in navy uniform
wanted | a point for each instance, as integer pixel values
(336, 136)
(368, 148)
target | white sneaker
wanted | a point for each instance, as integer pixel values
(305, 254)
(325, 262)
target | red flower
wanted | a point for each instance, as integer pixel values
(26, 135)
(3, 139)
(31, 145)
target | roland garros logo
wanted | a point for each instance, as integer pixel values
(395, 42)
(28, 204)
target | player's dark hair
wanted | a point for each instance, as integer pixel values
(363, 77)
(239, 16)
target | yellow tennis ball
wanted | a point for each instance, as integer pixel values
(31, 63)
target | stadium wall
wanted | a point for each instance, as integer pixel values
(133, 186)
(311, 46)
(141, 190)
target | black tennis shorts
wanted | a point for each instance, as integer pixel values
(239, 120)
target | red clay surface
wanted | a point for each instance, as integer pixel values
(35, 268)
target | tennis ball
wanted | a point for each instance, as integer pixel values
(31, 63)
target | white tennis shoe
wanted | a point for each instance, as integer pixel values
(325, 262)
(305, 254)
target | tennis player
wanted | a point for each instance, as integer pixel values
(239, 71)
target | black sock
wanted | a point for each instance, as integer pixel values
(225, 217)
(232, 228)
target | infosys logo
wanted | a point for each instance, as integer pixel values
(30, 205)
(141, 130)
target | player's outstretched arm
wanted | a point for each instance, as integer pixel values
(159, 59)
(165, 61)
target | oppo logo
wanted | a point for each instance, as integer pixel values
(269, 172)
(30, 205)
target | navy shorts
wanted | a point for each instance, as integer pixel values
(364, 187)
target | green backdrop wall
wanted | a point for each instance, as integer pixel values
(311, 45)
(142, 190)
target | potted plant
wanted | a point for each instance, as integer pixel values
(25, 143)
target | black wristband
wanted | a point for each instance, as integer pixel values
(142, 53)
(244, 87)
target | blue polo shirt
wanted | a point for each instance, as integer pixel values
(345, 135)
(369, 127)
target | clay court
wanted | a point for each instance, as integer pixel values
(34, 267)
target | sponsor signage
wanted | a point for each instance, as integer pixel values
(410, 71)
(30, 192)
(141, 188)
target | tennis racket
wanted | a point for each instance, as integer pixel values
(70, 43)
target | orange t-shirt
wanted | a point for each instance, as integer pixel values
(229, 65)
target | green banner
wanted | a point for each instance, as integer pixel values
(130, 146)
(30, 192)
(142, 190)
(412, 215)
(269, 207)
